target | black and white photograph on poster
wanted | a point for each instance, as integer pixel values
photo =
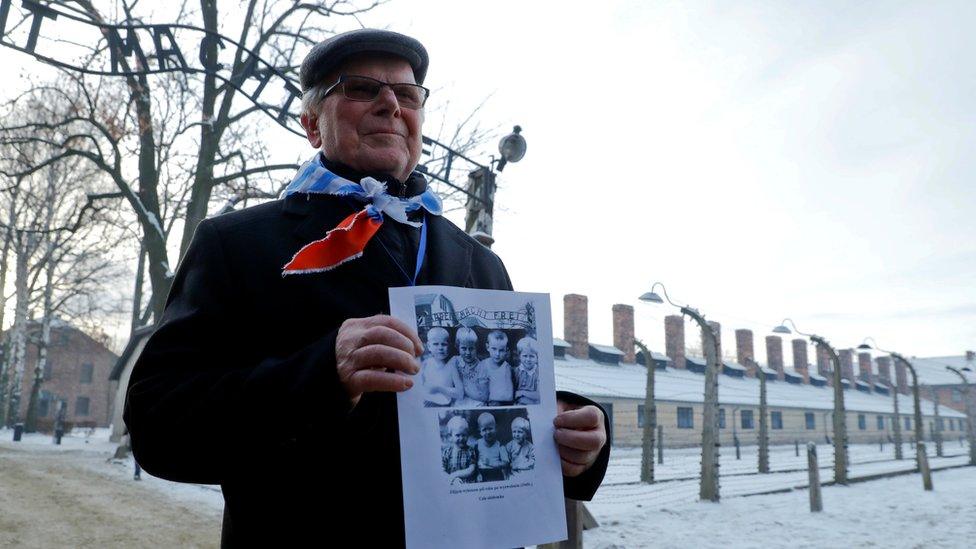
(477, 447)
(486, 445)
(475, 356)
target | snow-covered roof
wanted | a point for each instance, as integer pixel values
(589, 378)
(817, 377)
(932, 370)
(734, 365)
(695, 359)
(556, 342)
(608, 349)
(660, 356)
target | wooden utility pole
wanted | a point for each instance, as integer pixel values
(650, 418)
(763, 422)
(937, 432)
(813, 470)
(709, 489)
(840, 414)
(970, 427)
(923, 466)
(896, 424)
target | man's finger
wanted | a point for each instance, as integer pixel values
(580, 440)
(587, 417)
(571, 469)
(579, 457)
(401, 327)
(384, 335)
(365, 381)
(384, 357)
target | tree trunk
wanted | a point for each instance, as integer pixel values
(18, 346)
(30, 425)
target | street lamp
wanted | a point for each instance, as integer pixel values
(478, 220)
(709, 489)
(919, 428)
(970, 428)
(840, 415)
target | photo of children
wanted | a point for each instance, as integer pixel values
(494, 356)
(499, 448)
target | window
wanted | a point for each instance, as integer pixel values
(908, 423)
(44, 404)
(721, 418)
(776, 418)
(811, 420)
(862, 422)
(940, 424)
(87, 372)
(81, 406)
(48, 370)
(640, 416)
(746, 416)
(686, 419)
(881, 423)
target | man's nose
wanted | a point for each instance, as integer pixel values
(386, 103)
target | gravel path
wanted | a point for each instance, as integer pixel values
(77, 498)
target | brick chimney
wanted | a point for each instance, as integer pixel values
(774, 355)
(901, 377)
(800, 361)
(884, 369)
(847, 365)
(575, 325)
(864, 368)
(824, 367)
(970, 356)
(623, 332)
(674, 340)
(717, 328)
(745, 354)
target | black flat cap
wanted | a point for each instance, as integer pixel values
(329, 54)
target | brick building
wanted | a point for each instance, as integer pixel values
(77, 373)
(800, 402)
(936, 382)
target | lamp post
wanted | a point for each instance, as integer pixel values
(709, 488)
(481, 186)
(937, 427)
(970, 428)
(919, 428)
(650, 418)
(896, 424)
(840, 414)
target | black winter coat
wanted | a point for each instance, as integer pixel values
(238, 386)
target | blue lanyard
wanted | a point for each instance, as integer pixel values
(421, 250)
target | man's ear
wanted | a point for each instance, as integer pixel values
(311, 125)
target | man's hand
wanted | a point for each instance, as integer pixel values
(377, 353)
(580, 435)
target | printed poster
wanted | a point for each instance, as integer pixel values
(480, 466)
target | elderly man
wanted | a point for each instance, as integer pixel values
(273, 371)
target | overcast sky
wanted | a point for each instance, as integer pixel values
(762, 159)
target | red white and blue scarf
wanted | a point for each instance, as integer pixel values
(348, 239)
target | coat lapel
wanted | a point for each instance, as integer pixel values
(448, 260)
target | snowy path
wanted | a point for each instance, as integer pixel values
(73, 496)
(892, 512)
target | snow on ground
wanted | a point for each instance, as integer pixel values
(894, 512)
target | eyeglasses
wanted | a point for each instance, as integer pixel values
(364, 88)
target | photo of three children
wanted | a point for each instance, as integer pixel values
(484, 457)
(477, 370)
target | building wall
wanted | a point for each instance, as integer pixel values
(627, 433)
(69, 350)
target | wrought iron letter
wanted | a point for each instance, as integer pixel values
(4, 12)
(210, 64)
(166, 55)
(40, 12)
(119, 48)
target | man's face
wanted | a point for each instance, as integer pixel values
(369, 136)
(467, 350)
(497, 350)
(437, 345)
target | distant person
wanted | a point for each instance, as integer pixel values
(501, 391)
(521, 452)
(473, 373)
(441, 380)
(460, 461)
(527, 374)
(493, 461)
